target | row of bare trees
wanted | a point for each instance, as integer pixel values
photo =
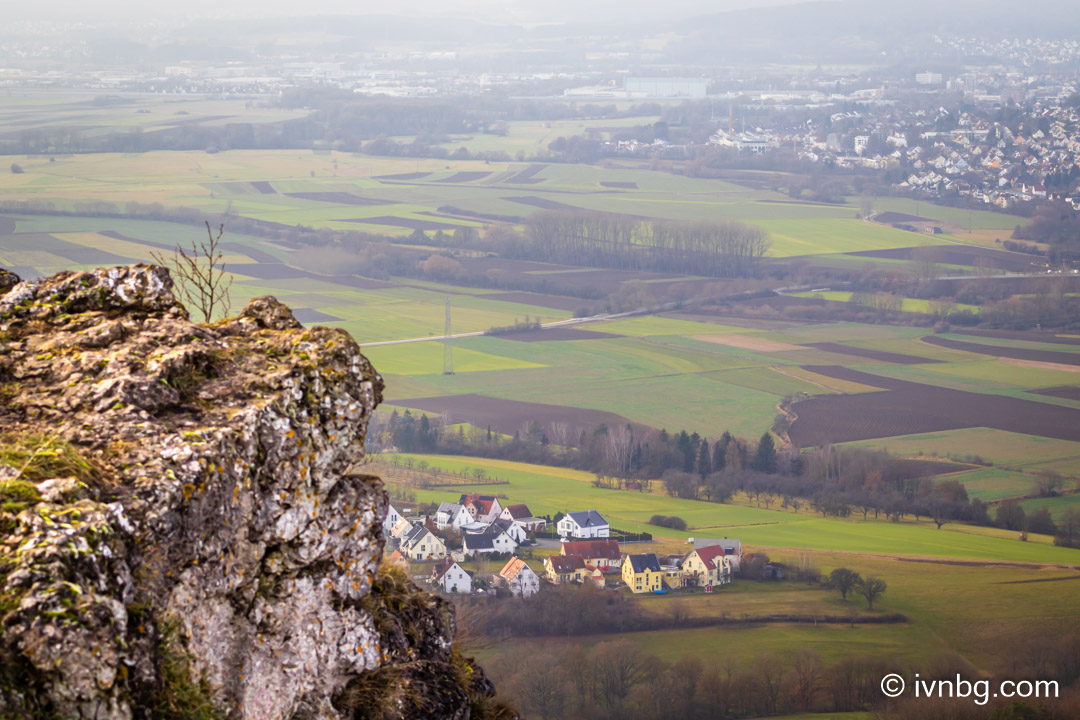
(592, 239)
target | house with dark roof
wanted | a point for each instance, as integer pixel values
(452, 515)
(599, 553)
(487, 542)
(642, 573)
(565, 569)
(521, 515)
(515, 531)
(450, 576)
(421, 544)
(583, 524)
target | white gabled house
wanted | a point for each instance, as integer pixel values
(519, 578)
(488, 542)
(515, 531)
(483, 508)
(391, 519)
(733, 549)
(521, 515)
(450, 576)
(421, 544)
(452, 515)
(584, 524)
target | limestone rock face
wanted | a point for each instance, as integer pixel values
(214, 518)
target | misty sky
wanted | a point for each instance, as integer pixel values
(529, 12)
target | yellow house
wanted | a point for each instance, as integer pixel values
(642, 573)
(564, 569)
(707, 566)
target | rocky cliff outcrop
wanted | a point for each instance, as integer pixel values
(187, 530)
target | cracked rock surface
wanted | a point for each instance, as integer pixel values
(219, 513)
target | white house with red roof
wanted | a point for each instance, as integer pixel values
(450, 576)
(732, 548)
(519, 578)
(483, 508)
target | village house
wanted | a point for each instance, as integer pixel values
(584, 524)
(452, 515)
(521, 515)
(421, 544)
(642, 573)
(515, 531)
(565, 569)
(450, 577)
(733, 549)
(391, 519)
(707, 567)
(598, 553)
(519, 578)
(483, 508)
(488, 542)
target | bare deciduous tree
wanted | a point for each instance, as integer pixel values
(200, 271)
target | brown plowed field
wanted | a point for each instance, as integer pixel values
(464, 177)
(1042, 337)
(957, 255)
(898, 217)
(338, 198)
(7, 225)
(264, 187)
(510, 416)
(542, 203)
(906, 408)
(1067, 392)
(525, 177)
(403, 176)
(1045, 356)
(889, 357)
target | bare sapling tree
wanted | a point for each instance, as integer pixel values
(200, 271)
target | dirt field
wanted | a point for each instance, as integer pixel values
(73, 252)
(1042, 337)
(749, 342)
(7, 225)
(907, 408)
(510, 416)
(525, 177)
(309, 316)
(889, 357)
(340, 198)
(958, 255)
(1068, 392)
(557, 334)
(897, 217)
(1040, 356)
(464, 177)
(542, 203)
(403, 176)
(264, 187)
(259, 256)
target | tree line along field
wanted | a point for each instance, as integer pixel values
(939, 579)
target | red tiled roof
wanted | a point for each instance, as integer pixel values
(441, 567)
(518, 511)
(512, 568)
(708, 553)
